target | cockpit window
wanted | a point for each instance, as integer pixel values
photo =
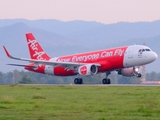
(142, 50)
(147, 49)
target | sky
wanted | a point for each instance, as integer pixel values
(104, 11)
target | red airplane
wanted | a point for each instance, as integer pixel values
(125, 60)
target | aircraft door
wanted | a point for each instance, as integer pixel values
(49, 70)
(130, 52)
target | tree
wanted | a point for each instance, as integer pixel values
(1, 78)
(25, 80)
(153, 76)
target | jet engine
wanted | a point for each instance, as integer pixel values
(88, 69)
(132, 71)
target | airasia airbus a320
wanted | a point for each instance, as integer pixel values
(125, 60)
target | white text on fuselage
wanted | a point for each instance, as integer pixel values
(93, 56)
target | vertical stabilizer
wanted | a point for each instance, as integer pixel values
(35, 50)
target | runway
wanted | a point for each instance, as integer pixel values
(103, 85)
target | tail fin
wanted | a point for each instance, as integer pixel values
(35, 50)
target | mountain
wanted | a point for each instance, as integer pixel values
(93, 33)
(61, 38)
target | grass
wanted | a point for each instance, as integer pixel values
(79, 103)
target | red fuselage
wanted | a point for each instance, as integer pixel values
(109, 59)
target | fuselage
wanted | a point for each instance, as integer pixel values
(109, 60)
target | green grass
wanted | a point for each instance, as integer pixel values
(79, 103)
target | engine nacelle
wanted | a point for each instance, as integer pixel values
(132, 71)
(88, 69)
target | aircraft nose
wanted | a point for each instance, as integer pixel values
(155, 56)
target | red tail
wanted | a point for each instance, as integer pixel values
(35, 50)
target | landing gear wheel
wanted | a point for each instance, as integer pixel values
(106, 81)
(78, 81)
(139, 75)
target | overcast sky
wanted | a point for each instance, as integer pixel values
(104, 11)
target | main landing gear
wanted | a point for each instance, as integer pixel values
(106, 80)
(78, 81)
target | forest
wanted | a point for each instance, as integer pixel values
(25, 77)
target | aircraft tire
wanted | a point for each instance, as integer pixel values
(139, 75)
(108, 81)
(104, 81)
(80, 81)
(76, 81)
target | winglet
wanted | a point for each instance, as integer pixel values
(7, 53)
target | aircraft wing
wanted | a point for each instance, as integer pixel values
(57, 63)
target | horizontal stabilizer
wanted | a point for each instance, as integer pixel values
(23, 65)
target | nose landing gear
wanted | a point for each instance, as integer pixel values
(139, 75)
